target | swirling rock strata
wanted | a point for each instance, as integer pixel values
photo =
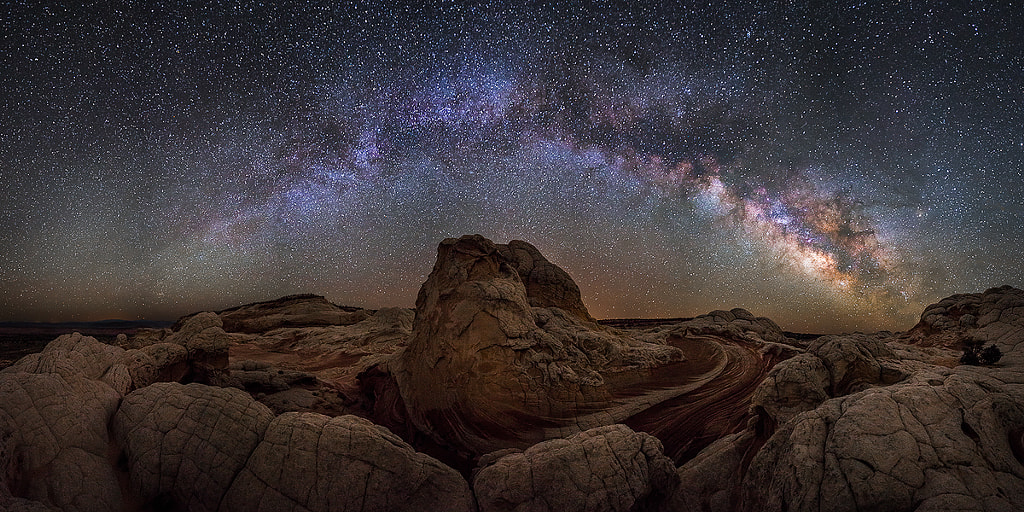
(485, 370)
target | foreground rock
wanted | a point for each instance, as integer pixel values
(54, 408)
(53, 442)
(603, 469)
(939, 442)
(865, 422)
(198, 448)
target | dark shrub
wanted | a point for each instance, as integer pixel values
(990, 355)
(974, 354)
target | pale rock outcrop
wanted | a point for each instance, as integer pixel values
(931, 442)
(187, 328)
(53, 428)
(736, 324)
(170, 361)
(291, 311)
(607, 468)
(70, 354)
(54, 408)
(546, 284)
(863, 422)
(205, 344)
(484, 370)
(184, 444)
(832, 366)
(334, 353)
(196, 447)
(204, 338)
(313, 462)
(995, 317)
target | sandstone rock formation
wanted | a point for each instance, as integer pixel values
(993, 317)
(501, 368)
(312, 462)
(607, 468)
(54, 408)
(547, 285)
(198, 448)
(864, 422)
(53, 441)
(291, 311)
(936, 442)
(484, 370)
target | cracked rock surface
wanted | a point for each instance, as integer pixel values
(186, 443)
(54, 408)
(308, 461)
(928, 443)
(201, 448)
(868, 422)
(603, 469)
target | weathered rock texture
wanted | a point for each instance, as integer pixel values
(195, 447)
(185, 444)
(864, 422)
(608, 469)
(291, 311)
(938, 442)
(53, 441)
(547, 285)
(54, 409)
(55, 406)
(502, 355)
(313, 462)
(994, 317)
(484, 370)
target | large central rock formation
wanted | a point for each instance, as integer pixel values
(503, 351)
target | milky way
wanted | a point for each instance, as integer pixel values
(833, 168)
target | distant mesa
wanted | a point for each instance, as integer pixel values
(501, 392)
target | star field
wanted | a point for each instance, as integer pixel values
(834, 168)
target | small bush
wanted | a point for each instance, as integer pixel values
(975, 355)
(990, 355)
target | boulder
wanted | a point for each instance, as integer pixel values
(832, 366)
(928, 443)
(196, 447)
(189, 327)
(184, 444)
(608, 468)
(736, 324)
(70, 354)
(170, 361)
(995, 317)
(54, 410)
(312, 462)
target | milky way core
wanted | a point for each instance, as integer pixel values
(833, 168)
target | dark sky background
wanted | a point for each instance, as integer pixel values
(834, 168)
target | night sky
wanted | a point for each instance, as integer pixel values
(834, 168)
